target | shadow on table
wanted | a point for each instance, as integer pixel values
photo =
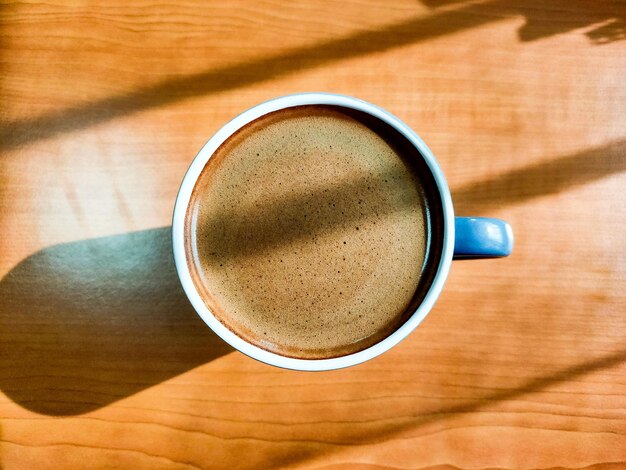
(388, 429)
(87, 323)
(611, 31)
(606, 20)
(541, 21)
(550, 177)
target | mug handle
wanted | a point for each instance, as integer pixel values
(482, 237)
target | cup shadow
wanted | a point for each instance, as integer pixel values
(87, 323)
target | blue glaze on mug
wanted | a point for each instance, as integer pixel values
(482, 237)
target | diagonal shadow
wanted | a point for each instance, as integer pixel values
(421, 418)
(278, 222)
(87, 323)
(17, 133)
(541, 179)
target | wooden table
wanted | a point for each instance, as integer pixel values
(103, 363)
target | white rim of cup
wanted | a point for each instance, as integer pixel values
(184, 195)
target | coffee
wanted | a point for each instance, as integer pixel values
(310, 231)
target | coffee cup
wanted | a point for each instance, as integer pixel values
(316, 231)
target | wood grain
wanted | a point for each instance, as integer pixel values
(103, 364)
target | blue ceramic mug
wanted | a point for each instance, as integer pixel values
(463, 237)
